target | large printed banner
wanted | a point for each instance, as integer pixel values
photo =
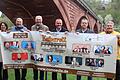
(72, 53)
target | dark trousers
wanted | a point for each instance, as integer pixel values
(4, 75)
(17, 74)
(1, 67)
(54, 76)
(64, 76)
(79, 77)
(109, 79)
(118, 70)
(35, 76)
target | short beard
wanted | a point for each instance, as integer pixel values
(108, 32)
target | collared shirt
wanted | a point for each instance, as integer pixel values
(20, 28)
(86, 31)
(58, 29)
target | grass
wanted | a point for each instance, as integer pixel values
(30, 76)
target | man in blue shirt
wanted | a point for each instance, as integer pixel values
(21, 28)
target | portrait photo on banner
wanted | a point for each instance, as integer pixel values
(30, 45)
(54, 59)
(73, 61)
(103, 49)
(20, 56)
(37, 58)
(94, 62)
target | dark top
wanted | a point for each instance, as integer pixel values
(62, 30)
(87, 31)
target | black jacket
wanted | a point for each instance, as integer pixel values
(87, 31)
(62, 30)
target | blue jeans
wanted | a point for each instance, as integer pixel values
(79, 77)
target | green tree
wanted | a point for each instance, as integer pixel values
(4, 18)
(106, 9)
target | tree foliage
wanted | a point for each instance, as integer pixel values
(5, 19)
(103, 9)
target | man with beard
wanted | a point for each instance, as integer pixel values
(84, 28)
(109, 29)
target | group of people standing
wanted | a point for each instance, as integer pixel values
(39, 26)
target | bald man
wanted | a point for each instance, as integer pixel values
(59, 28)
(21, 28)
(39, 24)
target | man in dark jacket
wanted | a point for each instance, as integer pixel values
(58, 28)
(84, 28)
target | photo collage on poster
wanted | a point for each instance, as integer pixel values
(85, 49)
(54, 59)
(14, 46)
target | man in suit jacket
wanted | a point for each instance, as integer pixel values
(58, 28)
(84, 28)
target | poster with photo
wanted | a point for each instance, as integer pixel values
(97, 53)
(53, 48)
(13, 49)
(70, 53)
